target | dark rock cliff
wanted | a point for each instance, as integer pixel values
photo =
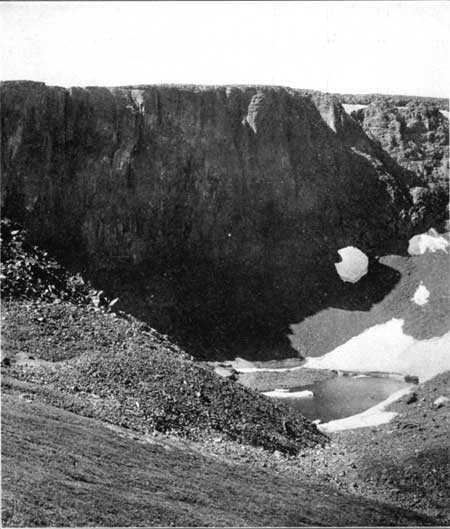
(248, 190)
(416, 136)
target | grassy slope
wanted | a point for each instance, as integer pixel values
(405, 462)
(129, 375)
(63, 469)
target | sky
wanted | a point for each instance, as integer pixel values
(349, 47)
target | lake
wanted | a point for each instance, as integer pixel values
(343, 396)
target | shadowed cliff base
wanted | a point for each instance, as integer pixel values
(221, 315)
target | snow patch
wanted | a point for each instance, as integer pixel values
(352, 108)
(427, 242)
(372, 417)
(137, 96)
(421, 295)
(245, 366)
(353, 266)
(386, 348)
(286, 394)
(242, 369)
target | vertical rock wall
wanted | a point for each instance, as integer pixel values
(241, 182)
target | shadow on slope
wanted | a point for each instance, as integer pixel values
(348, 316)
(276, 319)
(223, 316)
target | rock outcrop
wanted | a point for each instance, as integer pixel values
(416, 136)
(251, 188)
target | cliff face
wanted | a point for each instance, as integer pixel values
(240, 182)
(416, 136)
(222, 172)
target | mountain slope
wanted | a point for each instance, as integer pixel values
(60, 469)
(120, 371)
(85, 358)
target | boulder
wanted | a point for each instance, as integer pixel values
(226, 372)
(441, 401)
(411, 398)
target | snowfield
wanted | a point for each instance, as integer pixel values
(386, 348)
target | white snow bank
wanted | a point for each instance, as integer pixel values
(427, 242)
(242, 369)
(444, 113)
(286, 394)
(372, 417)
(246, 366)
(354, 264)
(352, 108)
(386, 348)
(421, 295)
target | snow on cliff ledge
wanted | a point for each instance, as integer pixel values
(427, 242)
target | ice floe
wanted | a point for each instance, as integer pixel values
(421, 295)
(430, 241)
(372, 417)
(354, 264)
(286, 394)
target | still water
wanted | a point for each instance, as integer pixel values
(343, 396)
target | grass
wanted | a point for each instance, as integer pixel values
(131, 376)
(60, 469)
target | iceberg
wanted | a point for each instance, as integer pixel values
(286, 394)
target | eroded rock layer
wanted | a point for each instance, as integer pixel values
(416, 136)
